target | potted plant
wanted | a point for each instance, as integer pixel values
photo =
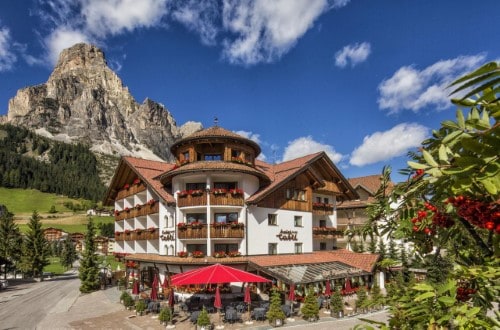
(203, 321)
(140, 307)
(362, 299)
(124, 294)
(336, 305)
(165, 316)
(310, 310)
(275, 314)
(128, 301)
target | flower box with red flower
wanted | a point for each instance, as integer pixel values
(220, 254)
(127, 231)
(196, 225)
(182, 254)
(117, 213)
(236, 192)
(198, 254)
(131, 264)
(126, 186)
(126, 209)
(137, 181)
(181, 226)
(219, 191)
(138, 206)
(237, 225)
(152, 229)
(318, 205)
(196, 192)
(182, 194)
(151, 202)
(234, 254)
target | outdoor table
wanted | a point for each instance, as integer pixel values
(231, 315)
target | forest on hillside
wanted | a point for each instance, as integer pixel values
(28, 160)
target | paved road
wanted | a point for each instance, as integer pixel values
(24, 305)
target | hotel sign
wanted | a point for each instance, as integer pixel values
(287, 235)
(167, 235)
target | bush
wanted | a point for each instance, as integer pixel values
(140, 306)
(275, 313)
(310, 310)
(336, 303)
(165, 315)
(203, 318)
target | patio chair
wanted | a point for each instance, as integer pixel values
(194, 317)
(287, 310)
(259, 314)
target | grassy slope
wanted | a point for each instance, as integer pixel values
(22, 202)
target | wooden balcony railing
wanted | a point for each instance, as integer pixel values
(322, 208)
(200, 198)
(327, 232)
(133, 235)
(132, 190)
(216, 231)
(140, 210)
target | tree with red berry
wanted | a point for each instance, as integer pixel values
(449, 209)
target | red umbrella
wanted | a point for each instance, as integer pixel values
(248, 298)
(218, 301)
(165, 282)
(348, 285)
(154, 288)
(328, 290)
(135, 287)
(291, 294)
(214, 274)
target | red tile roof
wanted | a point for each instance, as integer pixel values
(370, 184)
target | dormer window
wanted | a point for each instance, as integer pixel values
(185, 156)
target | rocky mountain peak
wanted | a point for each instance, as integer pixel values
(84, 100)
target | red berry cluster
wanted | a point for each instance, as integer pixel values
(418, 173)
(438, 219)
(464, 292)
(478, 213)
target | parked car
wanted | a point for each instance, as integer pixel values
(4, 284)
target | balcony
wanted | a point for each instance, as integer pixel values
(150, 207)
(138, 234)
(322, 208)
(327, 233)
(216, 231)
(217, 197)
(130, 190)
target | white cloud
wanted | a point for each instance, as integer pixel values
(382, 146)
(265, 30)
(200, 17)
(306, 145)
(111, 17)
(353, 53)
(249, 135)
(411, 89)
(62, 38)
(7, 57)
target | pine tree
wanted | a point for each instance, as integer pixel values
(310, 310)
(68, 255)
(10, 241)
(362, 297)
(203, 319)
(336, 303)
(393, 250)
(376, 296)
(275, 312)
(36, 249)
(372, 247)
(382, 251)
(89, 265)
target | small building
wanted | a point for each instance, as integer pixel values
(54, 234)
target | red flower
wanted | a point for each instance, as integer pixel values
(126, 186)
(137, 181)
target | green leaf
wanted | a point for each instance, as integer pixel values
(489, 186)
(443, 157)
(425, 295)
(452, 136)
(417, 166)
(488, 67)
(429, 159)
(460, 119)
(450, 124)
(447, 301)
(423, 287)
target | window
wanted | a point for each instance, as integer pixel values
(322, 246)
(226, 217)
(225, 185)
(322, 223)
(272, 219)
(272, 248)
(212, 157)
(196, 217)
(195, 186)
(226, 247)
(185, 156)
(298, 247)
(236, 153)
(196, 247)
(318, 199)
(326, 200)
(296, 194)
(297, 221)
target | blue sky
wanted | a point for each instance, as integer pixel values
(362, 80)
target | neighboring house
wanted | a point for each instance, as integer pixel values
(102, 244)
(54, 234)
(78, 239)
(219, 203)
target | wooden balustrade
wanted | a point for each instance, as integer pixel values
(144, 234)
(216, 231)
(132, 190)
(142, 210)
(215, 199)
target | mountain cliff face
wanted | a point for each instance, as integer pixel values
(85, 101)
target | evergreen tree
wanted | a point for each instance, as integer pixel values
(203, 319)
(336, 303)
(361, 246)
(310, 308)
(68, 255)
(36, 249)
(393, 250)
(89, 265)
(354, 245)
(275, 312)
(376, 296)
(382, 251)
(362, 297)
(372, 247)
(10, 241)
